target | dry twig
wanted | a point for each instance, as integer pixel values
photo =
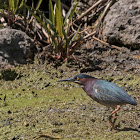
(91, 8)
(46, 136)
(105, 43)
(100, 19)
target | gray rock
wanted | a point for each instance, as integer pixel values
(16, 47)
(122, 24)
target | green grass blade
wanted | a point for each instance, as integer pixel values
(59, 22)
(70, 13)
(51, 13)
(44, 24)
(13, 4)
(58, 17)
(33, 11)
(74, 37)
(3, 5)
(21, 4)
(65, 36)
(38, 5)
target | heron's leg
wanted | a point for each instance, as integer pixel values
(110, 117)
(118, 107)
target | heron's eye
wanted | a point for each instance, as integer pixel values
(77, 78)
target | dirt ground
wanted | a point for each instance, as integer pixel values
(35, 103)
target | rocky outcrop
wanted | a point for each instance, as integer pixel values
(122, 24)
(16, 47)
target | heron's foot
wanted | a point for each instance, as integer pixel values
(115, 117)
(111, 123)
(114, 130)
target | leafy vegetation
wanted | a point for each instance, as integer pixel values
(57, 26)
(58, 29)
(13, 6)
(36, 103)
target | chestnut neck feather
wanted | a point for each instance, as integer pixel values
(88, 81)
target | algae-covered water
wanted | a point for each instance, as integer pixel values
(33, 102)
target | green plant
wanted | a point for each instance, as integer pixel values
(58, 29)
(12, 6)
(3, 5)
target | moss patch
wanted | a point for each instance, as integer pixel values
(36, 103)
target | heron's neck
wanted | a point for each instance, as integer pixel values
(88, 81)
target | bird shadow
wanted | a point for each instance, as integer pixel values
(127, 129)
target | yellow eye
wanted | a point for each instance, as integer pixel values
(77, 78)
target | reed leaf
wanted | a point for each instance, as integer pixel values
(38, 5)
(74, 37)
(59, 22)
(13, 4)
(51, 13)
(70, 13)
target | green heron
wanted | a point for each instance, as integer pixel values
(103, 92)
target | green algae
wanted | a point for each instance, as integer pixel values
(36, 103)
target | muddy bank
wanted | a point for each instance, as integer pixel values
(36, 103)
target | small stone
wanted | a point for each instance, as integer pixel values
(83, 107)
(26, 123)
(35, 95)
(2, 20)
(9, 112)
(16, 137)
(57, 130)
(57, 123)
(139, 126)
(87, 133)
(76, 121)
(61, 71)
(5, 24)
(41, 79)
(46, 85)
(123, 121)
(33, 92)
(93, 120)
(51, 77)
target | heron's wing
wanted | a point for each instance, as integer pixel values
(110, 93)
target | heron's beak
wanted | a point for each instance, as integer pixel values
(69, 80)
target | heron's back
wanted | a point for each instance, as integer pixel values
(109, 93)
